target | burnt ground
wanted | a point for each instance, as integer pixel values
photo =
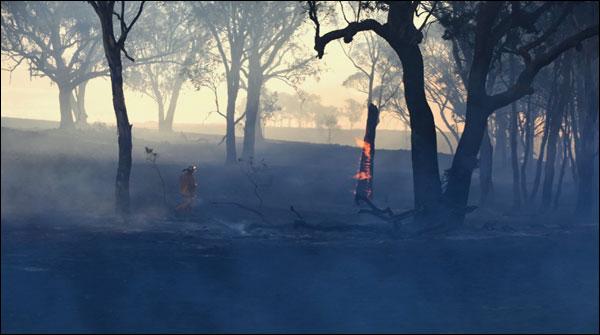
(70, 265)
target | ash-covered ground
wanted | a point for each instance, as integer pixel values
(241, 261)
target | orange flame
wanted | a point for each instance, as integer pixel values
(366, 148)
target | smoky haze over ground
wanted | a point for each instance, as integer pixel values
(277, 240)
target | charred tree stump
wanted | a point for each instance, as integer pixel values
(364, 184)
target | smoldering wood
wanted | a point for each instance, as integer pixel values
(364, 184)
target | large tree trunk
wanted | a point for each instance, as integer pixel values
(64, 99)
(401, 34)
(364, 184)
(112, 52)
(486, 154)
(456, 194)
(426, 178)
(465, 160)
(255, 82)
(123, 129)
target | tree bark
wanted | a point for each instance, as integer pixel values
(112, 51)
(364, 184)
(124, 132)
(64, 99)
(459, 175)
(255, 82)
(426, 178)
(465, 161)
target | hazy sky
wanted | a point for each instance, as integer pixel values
(37, 98)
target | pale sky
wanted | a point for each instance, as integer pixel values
(37, 98)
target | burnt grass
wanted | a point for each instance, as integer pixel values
(70, 265)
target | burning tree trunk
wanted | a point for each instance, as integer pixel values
(364, 185)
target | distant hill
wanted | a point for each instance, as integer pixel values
(386, 139)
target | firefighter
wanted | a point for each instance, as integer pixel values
(187, 189)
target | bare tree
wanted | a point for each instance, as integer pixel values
(57, 41)
(227, 22)
(489, 24)
(274, 52)
(113, 47)
(174, 46)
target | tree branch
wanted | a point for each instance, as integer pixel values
(522, 86)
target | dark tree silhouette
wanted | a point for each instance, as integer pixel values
(113, 47)
(486, 26)
(404, 38)
(228, 22)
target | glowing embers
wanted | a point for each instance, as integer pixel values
(364, 172)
